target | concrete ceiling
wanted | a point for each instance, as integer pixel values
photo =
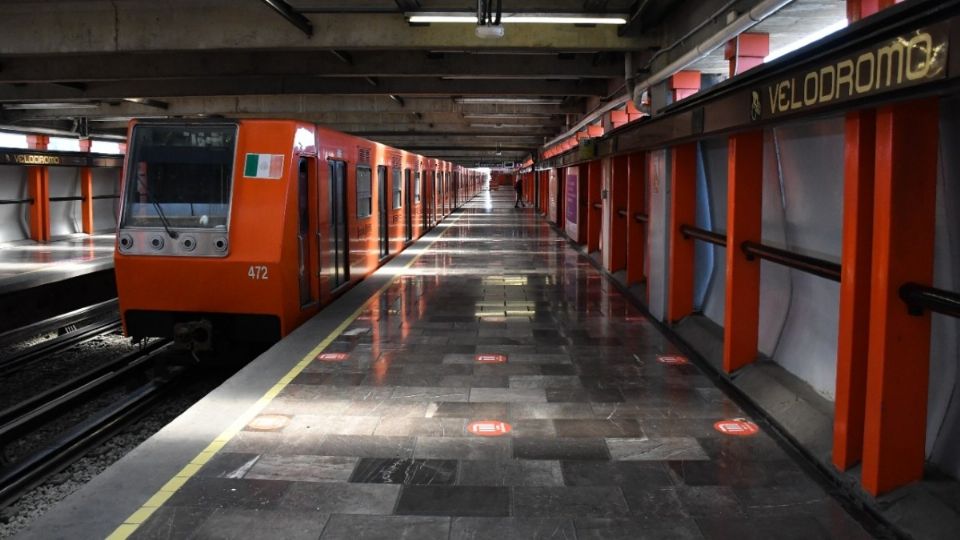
(357, 66)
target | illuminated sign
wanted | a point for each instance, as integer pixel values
(901, 62)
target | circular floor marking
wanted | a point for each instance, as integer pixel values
(489, 428)
(268, 422)
(737, 427)
(672, 359)
(333, 356)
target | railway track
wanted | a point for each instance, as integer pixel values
(77, 327)
(32, 414)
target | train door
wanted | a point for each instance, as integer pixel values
(383, 217)
(408, 210)
(423, 192)
(456, 190)
(339, 242)
(304, 226)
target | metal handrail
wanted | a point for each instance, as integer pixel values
(622, 213)
(812, 265)
(919, 297)
(702, 234)
(641, 218)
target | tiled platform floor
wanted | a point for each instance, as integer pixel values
(606, 441)
(29, 264)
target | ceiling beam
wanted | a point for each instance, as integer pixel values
(287, 85)
(210, 64)
(287, 12)
(154, 26)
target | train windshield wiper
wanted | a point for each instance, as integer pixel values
(163, 218)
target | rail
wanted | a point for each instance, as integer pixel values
(805, 263)
(702, 234)
(920, 297)
(17, 201)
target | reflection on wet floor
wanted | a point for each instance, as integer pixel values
(501, 387)
(66, 255)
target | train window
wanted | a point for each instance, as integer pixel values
(416, 188)
(397, 190)
(364, 192)
(180, 176)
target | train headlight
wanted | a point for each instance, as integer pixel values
(220, 243)
(188, 243)
(156, 242)
(126, 242)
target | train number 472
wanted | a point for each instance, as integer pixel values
(258, 272)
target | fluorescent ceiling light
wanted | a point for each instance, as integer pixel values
(517, 18)
(806, 40)
(508, 116)
(48, 106)
(507, 100)
(506, 126)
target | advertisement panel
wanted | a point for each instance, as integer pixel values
(572, 191)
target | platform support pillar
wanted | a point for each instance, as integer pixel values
(744, 220)
(683, 210)
(616, 241)
(854, 322)
(746, 51)
(636, 204)
(684, 84)
(38, 189)
(904, 219)
(594, 215)
(86, 191)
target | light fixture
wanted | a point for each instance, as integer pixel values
(507, 126)
(807, 39)
(516, 18)
(509, 116)
(48, 106)
(507, 101)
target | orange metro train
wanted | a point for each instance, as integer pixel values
(242, 230)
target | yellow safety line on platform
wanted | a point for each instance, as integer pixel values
(136, 519)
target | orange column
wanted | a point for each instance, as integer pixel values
(684, 84)
(854, 289)
(86, 191)
(636, 204)
(617, 240)
(38, 189)
(683, 211)
(746, 51)
(744, 220)
(854, 322)
(903, 237)
(594, 204)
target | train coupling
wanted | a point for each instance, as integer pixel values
(194, 336)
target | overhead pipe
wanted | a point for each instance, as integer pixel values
(741, 24)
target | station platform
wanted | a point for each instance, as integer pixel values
(489, 382)
(28, 264)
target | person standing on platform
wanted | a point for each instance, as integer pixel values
(518, 187)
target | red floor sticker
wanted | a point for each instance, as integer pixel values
(333, 356)
(489, 428)
(491, 358)
(737, 427)
(672, 359)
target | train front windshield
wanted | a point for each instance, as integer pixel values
(180, 176)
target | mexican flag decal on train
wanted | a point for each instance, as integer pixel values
(263, 166)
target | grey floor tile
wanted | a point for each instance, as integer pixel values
(463, 448)
(637, 529)
(660, 449)
(616, 473)
(541, 411)
(230, 493)
(617, 427)
(466, 528)
(367, 446)
(709, 501)
(302, 468)
(480, 411)
(796, 527)
(405, 471)
(508, 395)
(570, 502)
(354, 527)
(421, 427)
(262, 525)
(550, 448)
(173, 523)
(341, 498)
(454, 501)
(428, 394)
(511, 473)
